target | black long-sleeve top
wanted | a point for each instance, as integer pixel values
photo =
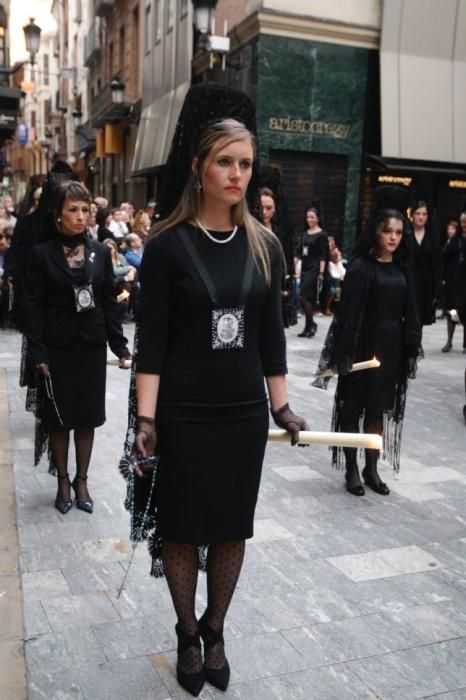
(175, 322)
(51, 318)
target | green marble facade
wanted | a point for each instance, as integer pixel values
(311, 97)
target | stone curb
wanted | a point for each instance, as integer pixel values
(13, 684)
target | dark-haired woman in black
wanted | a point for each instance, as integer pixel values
(426, 259)
(312, 251)
(376, 317)
(70, 314)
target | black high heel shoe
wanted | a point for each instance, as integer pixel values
(218, 677)
(88, 505)
(63, 505)
(378, 486)
(192, 682)
(355, 490)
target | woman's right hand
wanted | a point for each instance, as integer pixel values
(146, 439)
(43, 369)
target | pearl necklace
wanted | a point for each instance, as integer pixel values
(212, 238)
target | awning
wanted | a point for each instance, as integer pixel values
(416, 166)
(156, 129)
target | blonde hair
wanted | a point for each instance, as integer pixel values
(213, 139)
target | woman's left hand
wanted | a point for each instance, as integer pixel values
(286, 419)
(125, 362)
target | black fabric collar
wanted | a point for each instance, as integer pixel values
(72, 241)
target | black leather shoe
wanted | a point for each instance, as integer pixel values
(218, 677)
(192, 682)
(355, 490)
(377, 486)
(304, 333)
(62, 505)
(447, 347)
(88, 505)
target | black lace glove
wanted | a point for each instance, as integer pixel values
(412, 367)
(285, 418)
(146, 436)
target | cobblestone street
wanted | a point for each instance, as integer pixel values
(341, 598)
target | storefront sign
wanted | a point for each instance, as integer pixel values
(395, 180)
(457, 184)
(306, 126)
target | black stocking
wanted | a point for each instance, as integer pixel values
(180, 563)
(451, 325)
(309, 313)
(349, 422)
(83, 441)
(373, 423)
(59, 443)
(224, 564)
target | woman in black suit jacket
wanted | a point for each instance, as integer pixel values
(71, 314)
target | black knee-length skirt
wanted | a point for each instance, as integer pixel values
(209, 474)
(78, 375)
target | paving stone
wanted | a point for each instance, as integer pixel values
(121, 680)
(55, 686)
(297, 473)
(136, 637)
(384, 562)
(40, 585)
(409, 674)
(90, 578)
(79, 610)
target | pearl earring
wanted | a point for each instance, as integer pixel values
(58, 221)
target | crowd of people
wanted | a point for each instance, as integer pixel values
(211, 288)
(124, 229)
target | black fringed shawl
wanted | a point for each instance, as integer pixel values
(341, 345)
(140, 498)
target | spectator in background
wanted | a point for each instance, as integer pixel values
(9, 206)
(92, 226)
(102, 202)
(117, 226)
(312, 251)
(336, 274)
(103, 218)
(135, 250)
(141, 225)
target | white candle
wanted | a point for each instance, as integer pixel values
(367, 364)
(370, 441)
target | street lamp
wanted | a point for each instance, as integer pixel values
(204, 11)
(32, 38)
(118, 88)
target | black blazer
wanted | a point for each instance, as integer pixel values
(51, 318)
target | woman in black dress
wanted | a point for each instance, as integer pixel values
(377, 316)
(451, 253)
(70, 314)
(453, 256)
(210, 330)
(313, 252)
(426, 258)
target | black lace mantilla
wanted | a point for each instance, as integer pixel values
(339, 352)
(140, 498)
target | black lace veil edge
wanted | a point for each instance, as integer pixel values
(393, 419)
(140, 499)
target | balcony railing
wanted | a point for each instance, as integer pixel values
(92, 46)
(103, 8)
